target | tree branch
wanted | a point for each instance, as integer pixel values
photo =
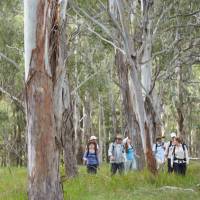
(9, 60)
(13, 98)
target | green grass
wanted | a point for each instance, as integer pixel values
(13, 184)
(132, 186)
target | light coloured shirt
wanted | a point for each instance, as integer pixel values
(117, 151)
(168, 149)
(180, 153)
(159, 152)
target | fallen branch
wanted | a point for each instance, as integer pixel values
(176, 188)
(194, 158)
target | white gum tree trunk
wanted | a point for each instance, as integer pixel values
(149, 93)
(87, 120)
(139, 108)
(44, 82)
(127, 105)
(101, 131)
(112, 102)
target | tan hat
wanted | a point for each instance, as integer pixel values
(93, 137)
(158, 137)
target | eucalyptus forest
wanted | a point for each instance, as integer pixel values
(73, 70)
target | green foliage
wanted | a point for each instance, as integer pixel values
(11, 44)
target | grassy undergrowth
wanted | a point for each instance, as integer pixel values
(132, 186)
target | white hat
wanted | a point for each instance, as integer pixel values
(173, 134)
(93, 137)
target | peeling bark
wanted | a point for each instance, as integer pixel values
(43, 76)
(131, 56)
(127, 104)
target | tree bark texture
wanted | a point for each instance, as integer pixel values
(68, 140)
(112, 102)
(141, 115)
(130, 117)
(87, 121)
(44, 78)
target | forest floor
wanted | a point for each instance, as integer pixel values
(132, 186)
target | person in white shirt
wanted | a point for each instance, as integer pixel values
(116, 154)
(159, 153)
(179, 157)
(168, 151)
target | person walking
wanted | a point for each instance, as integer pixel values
(90, 157)
(116, 154)
(179, 157)
(130, 163)
(168, 151)
(159, 153)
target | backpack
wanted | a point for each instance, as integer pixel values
(170, 144)
(113, 147)
(162, 145)
(184, 146)
(95, 155)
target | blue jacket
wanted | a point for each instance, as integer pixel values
(91, 158)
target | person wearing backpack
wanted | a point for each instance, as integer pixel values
(90, 157)
(179, 158)
(131, 155)
(168, 151)
(116, 154)
(159, 153)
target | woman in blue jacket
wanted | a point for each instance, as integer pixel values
(91, 157)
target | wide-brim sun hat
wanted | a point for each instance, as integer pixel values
(93, 137)
(173, 134)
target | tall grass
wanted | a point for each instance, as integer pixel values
(13, 184)
(132, 186)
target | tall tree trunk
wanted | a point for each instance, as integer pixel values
(87, 124)
(68, 140)
(112, 102)
(136, 86)
(179, 103)
(77, 130)
(130, 117)
(149, 93)
(101, 129)
(43, 76)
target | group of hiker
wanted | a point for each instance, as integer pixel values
(123, 156)
(175, 152)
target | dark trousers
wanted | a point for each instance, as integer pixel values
(91, 169)
(117, 166)
(180, 168)
(170, 169)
